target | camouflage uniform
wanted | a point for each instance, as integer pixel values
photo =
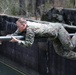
(62, 41)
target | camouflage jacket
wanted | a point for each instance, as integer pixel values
(49, 30)
(37, 30)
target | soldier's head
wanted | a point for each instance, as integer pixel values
(21, 24)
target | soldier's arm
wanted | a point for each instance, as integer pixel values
(29, 38)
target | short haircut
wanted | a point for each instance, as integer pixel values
(22, 20)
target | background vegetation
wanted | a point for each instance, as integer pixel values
(32, 8)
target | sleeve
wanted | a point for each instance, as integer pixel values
(29, 38)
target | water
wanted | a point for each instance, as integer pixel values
(6, 70)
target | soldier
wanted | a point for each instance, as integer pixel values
(62, 41)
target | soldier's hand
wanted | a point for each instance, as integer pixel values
(14, 39)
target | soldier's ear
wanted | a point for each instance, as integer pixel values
(24, 25)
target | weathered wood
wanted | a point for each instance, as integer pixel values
(69, 26)
(38, 21)
(40, 57)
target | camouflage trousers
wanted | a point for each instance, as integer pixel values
(64, 44)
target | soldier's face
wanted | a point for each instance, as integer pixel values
(21, 26)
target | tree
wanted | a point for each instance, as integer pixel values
(21, 7)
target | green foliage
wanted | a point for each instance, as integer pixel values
(47, 5)
(12, 7)
(14, 11)
(29, 8)
(72, 1)
(69, 3)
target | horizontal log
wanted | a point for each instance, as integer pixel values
(69, 26)
(38, 21)
(71, 34)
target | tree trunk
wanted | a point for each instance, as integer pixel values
(75, 3)
(22, 7)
